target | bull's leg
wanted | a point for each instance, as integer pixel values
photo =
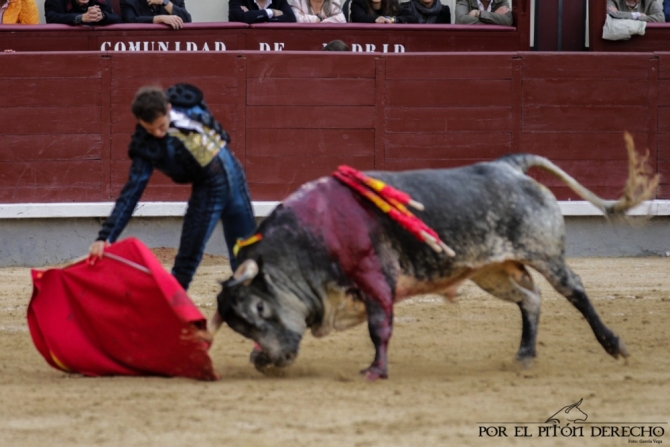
(376, 285)
(380, 325)
(568, 284)
(512, 282)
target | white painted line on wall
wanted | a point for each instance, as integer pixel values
(584, 208)
(261, 209)
(103, 209)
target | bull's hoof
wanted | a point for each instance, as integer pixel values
(525, 357)
(622, 350)
(374, 372)
(525, 362)
(616, 347)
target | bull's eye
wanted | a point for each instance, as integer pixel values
(259, 308)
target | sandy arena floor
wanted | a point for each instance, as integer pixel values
(451, 372)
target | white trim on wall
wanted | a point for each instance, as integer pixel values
(261, 209)
(103, 209)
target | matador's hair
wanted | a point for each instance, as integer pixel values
(149, 104)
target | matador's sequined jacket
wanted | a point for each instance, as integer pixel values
(185, 155)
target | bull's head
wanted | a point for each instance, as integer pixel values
(255, 307)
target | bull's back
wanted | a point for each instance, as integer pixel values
(486, 210)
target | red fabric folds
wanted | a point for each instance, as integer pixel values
(112, 318)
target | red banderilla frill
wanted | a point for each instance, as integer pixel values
(392, 202)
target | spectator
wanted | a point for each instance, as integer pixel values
(492, 12)
(167, 12)
(336, 45)
(80, 12)
(258, 11)
(177, 134)
(18, 12)
(666, 10)
(425, 11)
(318, 11)
(377, 11)
(643, 10)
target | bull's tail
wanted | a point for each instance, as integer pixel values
(641, 184)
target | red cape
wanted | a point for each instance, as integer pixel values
(113, 318)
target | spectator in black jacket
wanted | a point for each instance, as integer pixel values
(426, 11)
(169, 12)
(378, 11)
(259, 11)
(80, 12)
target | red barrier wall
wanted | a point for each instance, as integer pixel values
(295, 116)
(227, 36)
(656, 36)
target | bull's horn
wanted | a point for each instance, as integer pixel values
(215, 322)
(245, 273)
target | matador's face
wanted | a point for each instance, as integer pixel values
(157, 128)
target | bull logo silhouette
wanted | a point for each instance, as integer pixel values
(571, 413)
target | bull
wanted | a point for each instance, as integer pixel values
(329, 259)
